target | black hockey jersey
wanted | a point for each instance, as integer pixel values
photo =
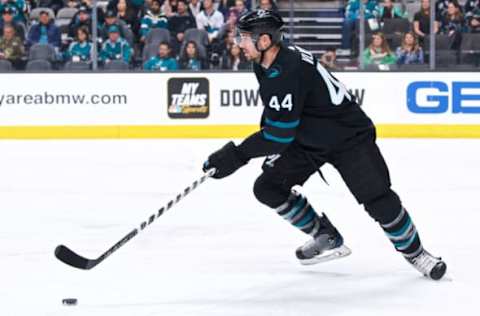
(304, 103)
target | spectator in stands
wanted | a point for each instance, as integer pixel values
(240, 7)
(154, 18)
(72, 4)
(170, 7)
(378, 53)
(453, 24)
(472, 14)
(112, 19)
(89, 5)
(224, 7)
(190, 58)
(81, 48)
(235, 59)
(329, 59)
(227, 42)
(195, 7)
(44, 32)
(230, 25)
(421, 21)
(20, 9)
(7, 18)
(267, 5)
(352, 14)
(129, 11)
(11, 46)
(162, 61)
(81, 18)
(128, 14)
(210, 20)
(181, 22)
(389, 11)
(229, 39)
(410, 51)
(441, 7)
(115, 47)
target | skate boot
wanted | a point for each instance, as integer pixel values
(430, 266)
(327, 245)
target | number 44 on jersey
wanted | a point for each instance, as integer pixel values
(286, 103)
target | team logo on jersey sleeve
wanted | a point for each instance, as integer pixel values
(188, 98)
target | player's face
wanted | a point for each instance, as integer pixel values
(246, 43)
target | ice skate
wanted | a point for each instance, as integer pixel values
(326, 246)
(430, 266)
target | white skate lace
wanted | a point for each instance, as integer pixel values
(424, 262)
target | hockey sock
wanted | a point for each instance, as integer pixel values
(403, 234)
(298, 212)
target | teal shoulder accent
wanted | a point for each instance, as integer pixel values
(283, 140)
(291, 124)
(274, 73)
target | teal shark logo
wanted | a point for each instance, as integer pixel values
(273, 73)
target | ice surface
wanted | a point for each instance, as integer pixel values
(219, 252)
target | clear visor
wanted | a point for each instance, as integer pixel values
(242, 37)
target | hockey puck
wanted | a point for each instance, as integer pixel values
(69, 301)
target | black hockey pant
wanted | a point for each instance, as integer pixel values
(365, 173)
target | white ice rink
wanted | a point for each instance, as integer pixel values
(219, 252)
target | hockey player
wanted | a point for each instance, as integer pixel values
(311, 119)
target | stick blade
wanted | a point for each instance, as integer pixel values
(67, 256)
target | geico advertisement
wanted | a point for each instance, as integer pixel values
(222, 98)
(421, 98)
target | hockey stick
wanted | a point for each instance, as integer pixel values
(67, 256)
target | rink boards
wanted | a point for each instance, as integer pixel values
(220, 105)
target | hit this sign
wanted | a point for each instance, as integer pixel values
(188, 98)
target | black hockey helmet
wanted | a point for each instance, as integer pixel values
(261, 22)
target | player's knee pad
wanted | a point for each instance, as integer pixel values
(268, 192)
(384, 208)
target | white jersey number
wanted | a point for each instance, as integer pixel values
(287, 103)
(336, 89)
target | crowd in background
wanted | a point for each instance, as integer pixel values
(406, 42)
(131, 34)
(199, 34)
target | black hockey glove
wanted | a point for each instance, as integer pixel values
(226, 160)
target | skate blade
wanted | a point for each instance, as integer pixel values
(329, 255)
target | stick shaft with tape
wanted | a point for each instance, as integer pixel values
(68, 256)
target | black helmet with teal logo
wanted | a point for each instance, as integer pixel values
(261, 22)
